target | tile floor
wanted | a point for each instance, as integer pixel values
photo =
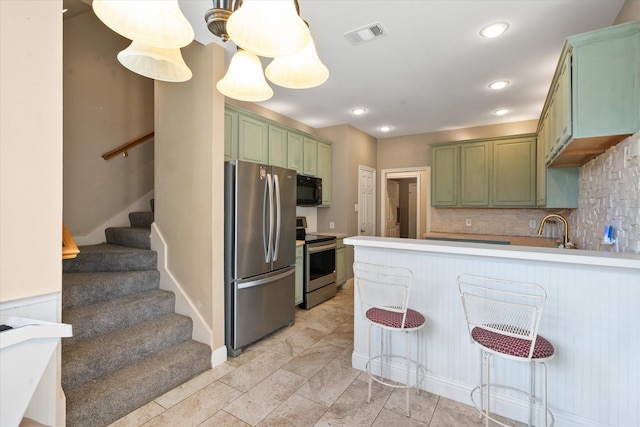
(298, 376)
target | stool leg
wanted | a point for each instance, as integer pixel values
(544, 391)
(369, 367)
(488, 369)
(419, 340)
(408, 356)
(481, 389)
(532, 386)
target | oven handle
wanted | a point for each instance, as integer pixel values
(312, 249)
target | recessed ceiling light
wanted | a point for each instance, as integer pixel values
(494, 30)
(384, 128)
(501, 112)
(358, 111)
(500, 84)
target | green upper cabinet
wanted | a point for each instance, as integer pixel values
(499, 172)
(324, 170)
(294, 151)
(253, 139)
(230, 135)
(514, 172)
(595, 94)
(444, 175)
(310, 157)
(474, 174)
(277, 146)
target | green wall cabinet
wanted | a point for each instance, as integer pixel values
(299, 274)
(253, 139)
(497, 172)
(514, 172)
(594, 100)
(230, 135)
(444, 175)
(277, 146)
(310, 157)
(294, 151)
(341, 263)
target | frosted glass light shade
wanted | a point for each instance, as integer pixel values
(268, 28)
(301, 70)
(244, 80)
(157, 23)
(154, 62)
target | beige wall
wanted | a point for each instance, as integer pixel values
(105, 106)
(189, 157)
(630, 12)
(30, 148)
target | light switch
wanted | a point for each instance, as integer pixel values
(355, 207)
(468, 222)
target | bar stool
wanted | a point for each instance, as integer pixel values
(384, 296)
(502, 319)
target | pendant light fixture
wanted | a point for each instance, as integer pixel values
(158, 30)
(302, 70)
(155, 63)
(269, 28)
(244, 79)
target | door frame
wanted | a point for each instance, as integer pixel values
(411, 172)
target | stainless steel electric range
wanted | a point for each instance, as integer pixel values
(319, 265)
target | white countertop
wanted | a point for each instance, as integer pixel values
(566, 256)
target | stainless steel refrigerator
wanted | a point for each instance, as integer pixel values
(260, 245)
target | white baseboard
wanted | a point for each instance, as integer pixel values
(201, 330)
(218, 356)
(508, 406)
(121, 219)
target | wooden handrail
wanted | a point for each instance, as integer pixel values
(125, 147)
(69, 247)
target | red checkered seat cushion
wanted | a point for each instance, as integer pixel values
(392, 319)
(512, 346)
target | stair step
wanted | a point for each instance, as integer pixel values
(104, 354)
(79, 289)
(108, 257)
(96, 319)
(103, 401)
(129, 236)
(141, 219)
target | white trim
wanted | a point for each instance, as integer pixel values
(373, 210)
(201, 330)
(120, 219)
(412, 172)
(218, 356)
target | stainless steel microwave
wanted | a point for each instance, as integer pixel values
(309, 191)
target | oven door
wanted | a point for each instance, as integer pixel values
(320, 265)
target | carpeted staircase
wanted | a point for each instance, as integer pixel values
(128, 345)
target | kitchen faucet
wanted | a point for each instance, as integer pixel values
(564, 221)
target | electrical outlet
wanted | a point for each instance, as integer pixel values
(332, 225)
(532, 223)
(468, 222)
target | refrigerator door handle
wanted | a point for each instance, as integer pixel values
(269, 256)
(265, 198)
(253, 283)
(276, 247)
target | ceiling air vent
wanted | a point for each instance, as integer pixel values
(365, 34)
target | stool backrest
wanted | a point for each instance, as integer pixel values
(505, 307)
(384, 287)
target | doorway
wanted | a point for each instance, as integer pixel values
(405, 202)
(366, 201)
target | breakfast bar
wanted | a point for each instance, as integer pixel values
(592, 317)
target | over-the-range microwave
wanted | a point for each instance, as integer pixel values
(309, 191)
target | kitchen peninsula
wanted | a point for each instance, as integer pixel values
(591, 317)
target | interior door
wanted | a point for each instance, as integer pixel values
(366, 201)
(413, 209)
(392, 207)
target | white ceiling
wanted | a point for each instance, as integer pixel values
(431, 71)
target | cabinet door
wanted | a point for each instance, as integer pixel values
(444, 175)
(324, 171)
(277, 146)
(514, 172)
(563, 120)
(299, 274)
(230, 135)
(541, 166)
(294, 151)
(474, 174)
(310, 157)
(341, 264)
(253, 140)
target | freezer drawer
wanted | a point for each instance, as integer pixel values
(260, 306)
